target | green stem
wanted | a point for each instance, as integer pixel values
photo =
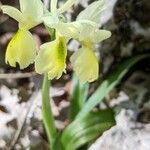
(47, 114)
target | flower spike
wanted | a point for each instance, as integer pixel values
(51, 58)
(13, 13)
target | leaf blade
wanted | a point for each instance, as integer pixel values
(86, 129)
(78, 96)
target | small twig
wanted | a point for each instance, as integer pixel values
(17, 75)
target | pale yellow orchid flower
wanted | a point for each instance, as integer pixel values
(85, 64)
(21, 49)
(51, 58)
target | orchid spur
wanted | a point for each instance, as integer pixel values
(51, 58)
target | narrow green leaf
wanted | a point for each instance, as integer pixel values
(108, 84)
(83, 130)
(78, 96)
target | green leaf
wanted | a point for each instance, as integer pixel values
(108, 84)
(84, 130)
(57, 143)
(78, 96)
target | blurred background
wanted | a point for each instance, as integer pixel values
(21, 125)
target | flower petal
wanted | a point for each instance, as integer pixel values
(68, 30)
(51, 58)
(66, 6)
(88, 32)
(86, 29)
(21, 49)
(85, 64)
(13, 13)
(32, 11)
(33, 8)
(100, 35)
(92, 12)
(54, 5)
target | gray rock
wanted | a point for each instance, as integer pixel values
(126, 135)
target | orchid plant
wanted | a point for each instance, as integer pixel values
(50, 60)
